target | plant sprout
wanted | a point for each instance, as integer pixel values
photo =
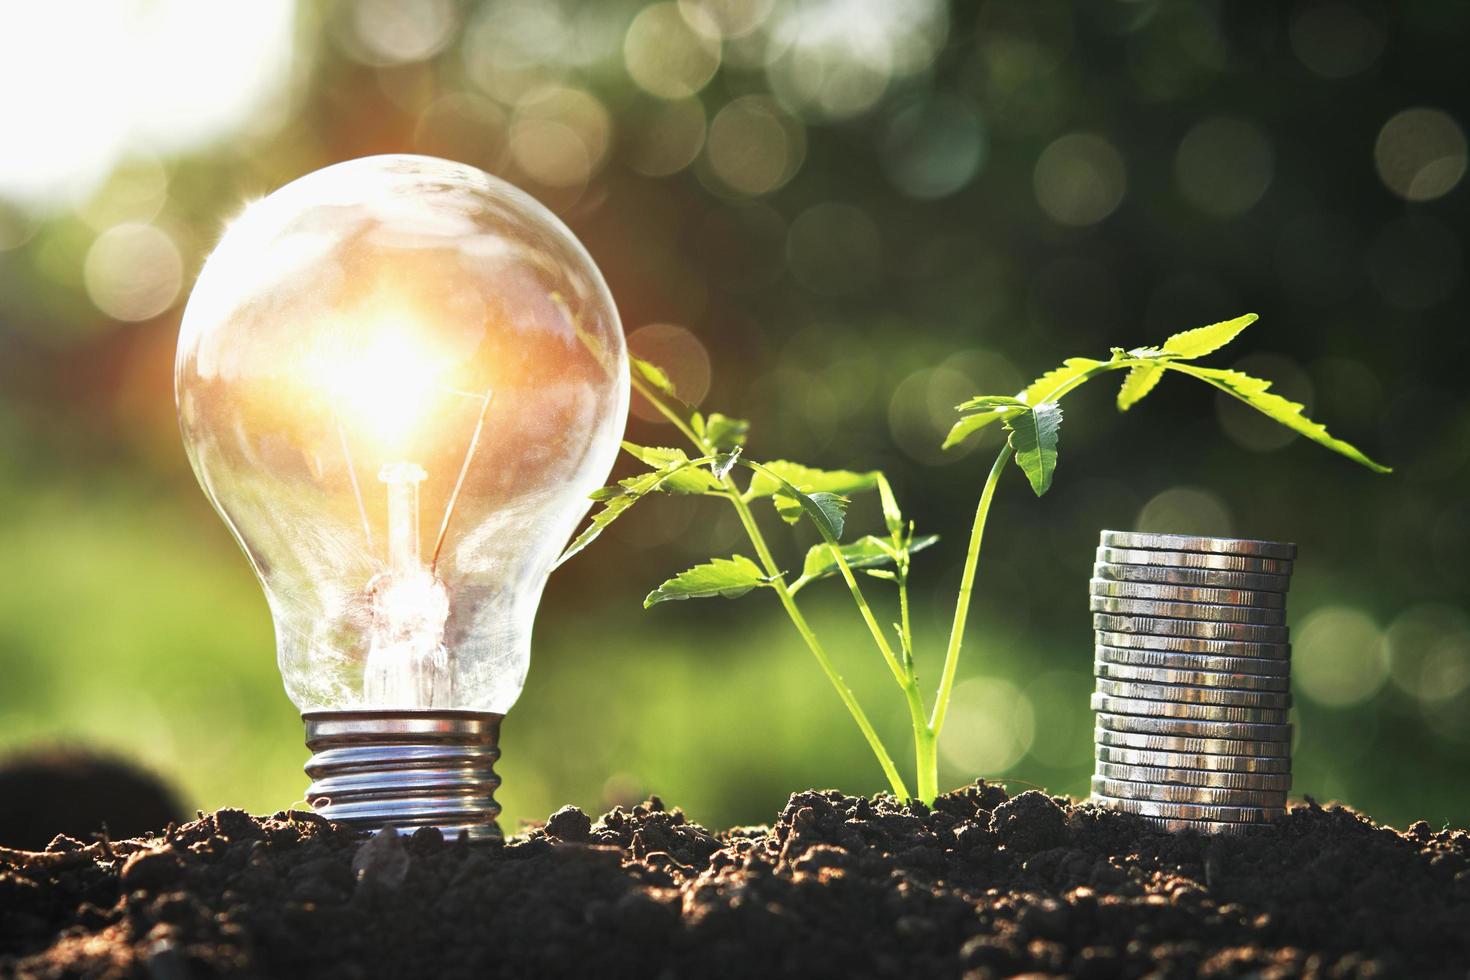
(1033, 420)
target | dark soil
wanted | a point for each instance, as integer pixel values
(981, 885)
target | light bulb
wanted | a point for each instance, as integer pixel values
(398, 380)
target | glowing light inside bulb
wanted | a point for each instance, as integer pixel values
(382, 381)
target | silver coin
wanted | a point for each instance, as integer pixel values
(1190, 811)
(1193, 559)
(1123, 789)
(1210, 828)
(1194, 728)
(1207, 778)
(1164, 659)
(1250, 615)
(1231, 681)
(1195, 645)
(1212, 578)
(1212, 696)
(1194, 594)
(1192, 760)
(1224, 748)
(1195, 712)
(1199, 629)
(1190, 542)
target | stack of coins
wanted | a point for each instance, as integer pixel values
(1193, 670)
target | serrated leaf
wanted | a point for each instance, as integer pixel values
(1044, 387)
(628, 492)
(723, 463)
(1034, 438)
(605, 493)
(690, 479)
(725, 577)
(866, 552)
(808, 479)
(1139, 382)
(1254, 392)
(724, 433)
(1204, 340)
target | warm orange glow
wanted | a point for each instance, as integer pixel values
(382, 378)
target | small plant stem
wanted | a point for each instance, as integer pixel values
(962, 602)
(778, 582)
(902, 673)
(905, 633)
(926, 762)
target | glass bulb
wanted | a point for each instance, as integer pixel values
(398, 379)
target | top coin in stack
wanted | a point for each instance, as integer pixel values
(1190, 542)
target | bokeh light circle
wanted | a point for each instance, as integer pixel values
(1429, 651)
(1224, 166)
(683, 358)
(990, 727)
(133, 271)
(559, 136)
(1420, 154)
(1186, 510)
(1335, 40)
(933, 147)
(1340, 657)
(666, 56)
(753, 147)
(1079, 179)
(396, 32)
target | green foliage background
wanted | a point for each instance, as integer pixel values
(844, 312)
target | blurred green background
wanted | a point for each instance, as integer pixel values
(836, 218)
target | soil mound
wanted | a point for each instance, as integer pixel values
(980, 885)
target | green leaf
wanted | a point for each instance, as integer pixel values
(1034, 438)
(724, 433)
(1139, 382)
(866, 552)
(654, 384)
(808, 479)
(725, 577)
(653, 375)
(1253, 391)
(986, 403)
(1044, 387)
(627, 493)
(827, 510)
(690, 479)
(971, 424)
(1205, 340)
(892, 516)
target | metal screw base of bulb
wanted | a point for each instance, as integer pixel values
(407, 768)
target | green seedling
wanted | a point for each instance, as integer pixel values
(1032, 419)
